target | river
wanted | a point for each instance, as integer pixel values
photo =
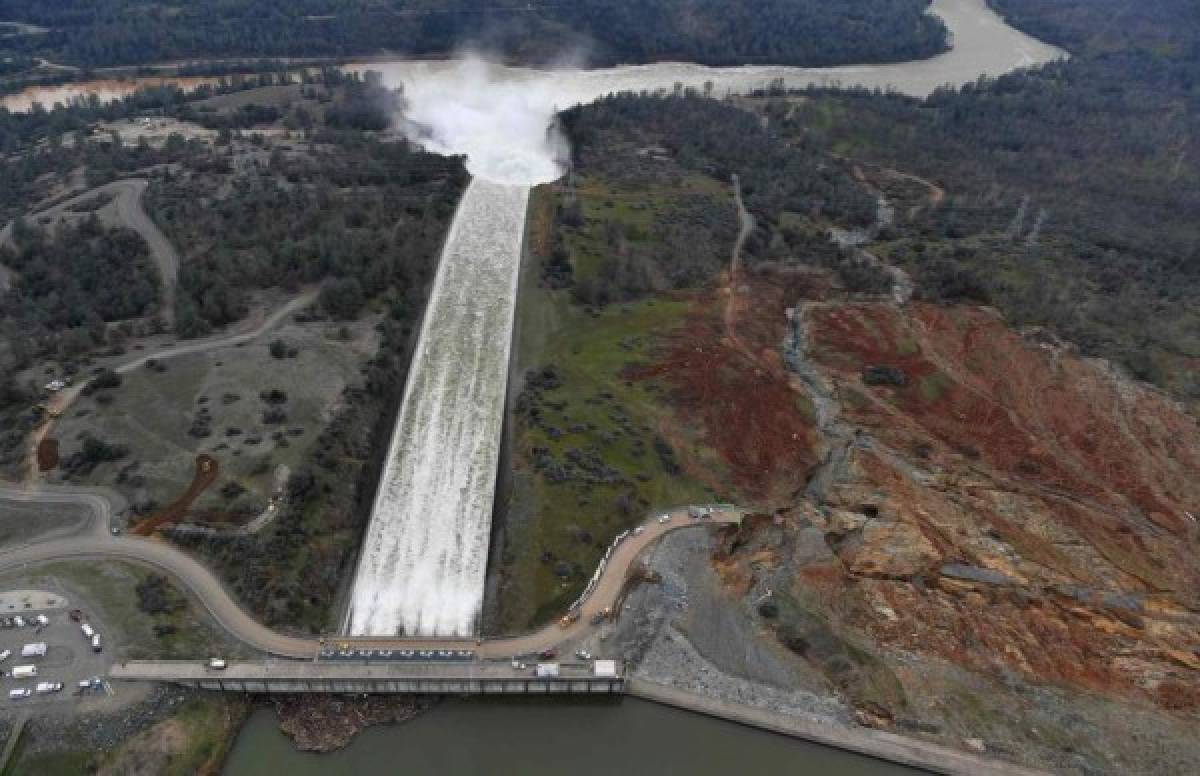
(534, 736)
(982, 45)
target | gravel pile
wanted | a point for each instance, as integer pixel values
(687, 632)
(103, 731)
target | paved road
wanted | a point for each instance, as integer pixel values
(128, 203)
(103, 503)
(230, 615)
(182, 567)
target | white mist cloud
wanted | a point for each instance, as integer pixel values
(505, 127)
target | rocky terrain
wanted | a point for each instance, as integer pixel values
(325, 723)
(1010, 506)
(967, 533)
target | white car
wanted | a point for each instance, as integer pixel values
(42, 619)
(664, 519)
(19, 621)
(583, 654)
(5, 655)
(20, 692)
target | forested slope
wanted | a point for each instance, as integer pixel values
(808, 32)
(1069, 187)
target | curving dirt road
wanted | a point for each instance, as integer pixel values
(127, 205)
(229, 614)
(62, 400)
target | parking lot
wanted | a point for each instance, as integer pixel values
(69, 656)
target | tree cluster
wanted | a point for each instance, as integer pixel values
(93, 33)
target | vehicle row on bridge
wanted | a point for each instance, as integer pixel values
(449, 655)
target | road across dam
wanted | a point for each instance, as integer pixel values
(432, 678)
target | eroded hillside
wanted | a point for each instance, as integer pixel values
(1003, 503)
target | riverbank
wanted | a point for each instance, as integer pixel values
(872, 743)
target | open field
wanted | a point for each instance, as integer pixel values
(585, 461)
(213, 402)
(21, 522)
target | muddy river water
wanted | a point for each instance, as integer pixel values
(559, 737)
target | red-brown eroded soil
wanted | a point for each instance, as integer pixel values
(205, 475)
(1064, 490)
(1035, 413)
(734, 386)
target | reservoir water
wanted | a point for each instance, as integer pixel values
(560, 737)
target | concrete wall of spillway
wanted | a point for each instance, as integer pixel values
(421, 570)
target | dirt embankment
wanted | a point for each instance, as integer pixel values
(1007, 505)
(206, 474)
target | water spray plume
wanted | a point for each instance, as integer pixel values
(506, 128)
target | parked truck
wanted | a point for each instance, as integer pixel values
(24, 672)
(36, 649)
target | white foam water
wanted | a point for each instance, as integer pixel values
(422, 566)
(423, 562)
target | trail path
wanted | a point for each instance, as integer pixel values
(127, 210)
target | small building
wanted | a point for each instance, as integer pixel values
(605, 669)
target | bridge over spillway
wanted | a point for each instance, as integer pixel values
(441, 677)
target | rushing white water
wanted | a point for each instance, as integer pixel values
(423, 563)
(502, 117)
(422, 566)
